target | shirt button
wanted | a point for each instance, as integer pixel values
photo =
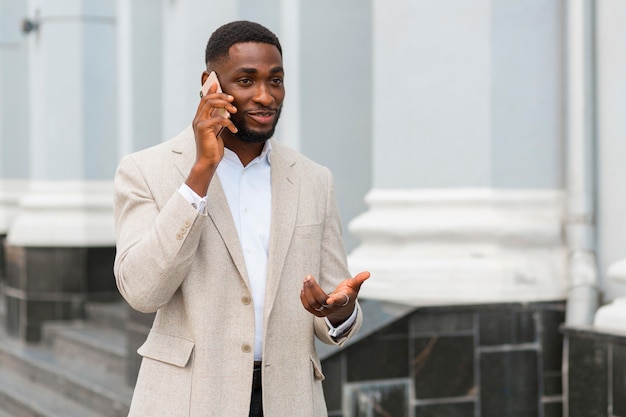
(245, 300)
(245, 348)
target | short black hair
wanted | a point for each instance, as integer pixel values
(240, 31)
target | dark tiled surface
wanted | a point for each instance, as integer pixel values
(100, 278)
(587, 378)
(62, 270)
(508, 384)
(333, 382)
(619, 379)
(141, 319)
(445, 410)
(552, 339)
(552, 383)
(553, 409)
(441, 323)
(506, 327)
(443, 366)
(12, 318)
(54, 284)
(2, 258)
(55, 270)
(25, 317)
(379, 400)
(15, 259)
(380, 358)
(448, 349)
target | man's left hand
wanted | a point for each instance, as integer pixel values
(336, 306)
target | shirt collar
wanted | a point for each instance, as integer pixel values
(264, 156)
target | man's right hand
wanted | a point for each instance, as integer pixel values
(209, 146)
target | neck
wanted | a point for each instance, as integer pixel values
(246, 151)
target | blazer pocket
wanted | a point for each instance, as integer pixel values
(317, 369)
(166, 348)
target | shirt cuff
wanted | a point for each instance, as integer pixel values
(199, 203)
(343, 327)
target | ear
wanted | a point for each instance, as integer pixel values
(205, 75)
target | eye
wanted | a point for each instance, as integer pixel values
(277, 81)
(245, 81)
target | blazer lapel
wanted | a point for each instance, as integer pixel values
(219, 212)
(285, 188)
(217, 205)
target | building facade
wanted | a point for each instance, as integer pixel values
(477, 146)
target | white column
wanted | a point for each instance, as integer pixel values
(580, 112)
(73, 125)
(467, 204)
(140, 74)
(14, 162)
(611, 58)
(187, 26)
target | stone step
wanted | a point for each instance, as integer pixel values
(111, 314)
(73, 377)
(103, 346)
(19, 397)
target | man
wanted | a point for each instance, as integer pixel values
(235, 241)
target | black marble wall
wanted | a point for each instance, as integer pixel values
(596, 373)
(497, 360)
(45, 283)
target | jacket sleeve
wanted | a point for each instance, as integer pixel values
(333, 263)
(155, 244)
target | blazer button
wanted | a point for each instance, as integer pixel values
(179, 236)
(187, 224)
(245, 348)
(245, 300)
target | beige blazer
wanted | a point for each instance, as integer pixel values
(189, 268)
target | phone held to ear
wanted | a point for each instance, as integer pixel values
(212, 78)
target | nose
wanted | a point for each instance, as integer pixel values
(263, 95)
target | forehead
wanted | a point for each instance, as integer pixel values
(253, 55)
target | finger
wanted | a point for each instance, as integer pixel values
(339, 299)
(213, 125)
(313, 293)
(204, 99)
(214, 100)
(358, 280)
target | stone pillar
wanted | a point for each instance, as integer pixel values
(611, 64)
(60, 247)
(467, 199)
(14, 147)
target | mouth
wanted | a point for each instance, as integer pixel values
(262, 117)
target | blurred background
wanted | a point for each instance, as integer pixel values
(478, 149)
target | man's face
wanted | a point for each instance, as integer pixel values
(253, 75)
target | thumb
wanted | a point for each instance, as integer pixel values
(359, 279)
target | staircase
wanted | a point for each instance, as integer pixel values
(77, 370)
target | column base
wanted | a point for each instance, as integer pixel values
(434, 247)
(59, 252)
(612, 317)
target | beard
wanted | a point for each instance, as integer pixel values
(245, 134)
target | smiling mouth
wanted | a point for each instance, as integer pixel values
(262, 116)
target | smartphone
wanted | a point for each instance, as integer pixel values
(212, 78)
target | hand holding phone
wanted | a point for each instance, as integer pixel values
(212, 79)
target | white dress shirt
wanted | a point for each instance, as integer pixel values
(248, 191)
